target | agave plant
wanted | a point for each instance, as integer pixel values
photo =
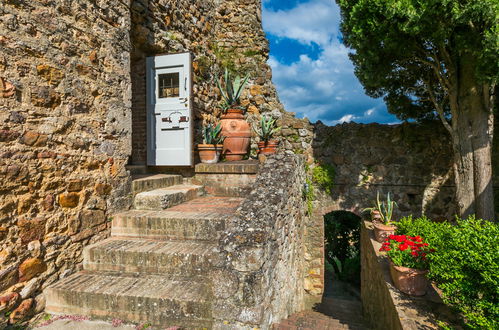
(385, 208)
(232, 89)
(268, 128)
(213, 134)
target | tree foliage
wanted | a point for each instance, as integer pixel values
(408, 50)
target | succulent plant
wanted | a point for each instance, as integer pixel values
(385, 208)
(268, 128)
(213, 134)
(232, 89)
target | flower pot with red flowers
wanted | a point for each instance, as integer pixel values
(210, 150)
(381, 216)
(408, 263)
(268, 128)
(234, 127)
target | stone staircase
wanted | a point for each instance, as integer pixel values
(155, 266)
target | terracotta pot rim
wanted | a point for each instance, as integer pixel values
(408, 270)
(383, 226)
(210, 146)
(269, 142)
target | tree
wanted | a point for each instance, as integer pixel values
(434, 59)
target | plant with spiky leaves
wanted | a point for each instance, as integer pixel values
(213, 134)
(268, 127)
(385, 208)
(231, 90)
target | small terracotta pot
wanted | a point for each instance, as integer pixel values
(209, 153)
(267, 147)
(409, 280)
(382, 231)
(237, 134)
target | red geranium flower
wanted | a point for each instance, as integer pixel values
(403, 247)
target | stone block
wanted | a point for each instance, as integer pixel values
(31, 229)
(8, 277)
(8, 301)
(31, 268)
(69, 200)
(91, 218)
(22, 312)
(102, 189)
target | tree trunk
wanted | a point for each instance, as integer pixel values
(472, 141)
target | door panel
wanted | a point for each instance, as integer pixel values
(169, 110)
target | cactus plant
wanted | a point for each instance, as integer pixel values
(384, 208)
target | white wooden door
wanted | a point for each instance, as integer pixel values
(169, 110)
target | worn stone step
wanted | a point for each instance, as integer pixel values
(174, 258)
(200, 219)
(143, 183)
(163, 198)
(143, 299)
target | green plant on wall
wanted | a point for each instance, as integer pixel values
(323, 175)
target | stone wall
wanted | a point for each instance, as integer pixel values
(218, 34)
(65, 130)
(261, 279)
(412, 161)
(384, 307)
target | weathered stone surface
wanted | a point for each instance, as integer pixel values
(30, 288)
(31, 268)
(102, 189)
(92, 218)
(8, 301)
(31, 229)
(23, 311)
(8, 277)
(70, 200)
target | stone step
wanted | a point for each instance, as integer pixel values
(143, 299)
(163, 198)
(199, 219)
(204, 226)
(172, 258)
(143, 183)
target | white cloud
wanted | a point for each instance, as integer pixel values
(324, 88)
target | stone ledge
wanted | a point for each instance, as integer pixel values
(236, 167)
(383, 305)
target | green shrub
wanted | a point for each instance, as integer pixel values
(465, 265)
(342, 240)
(323, 175)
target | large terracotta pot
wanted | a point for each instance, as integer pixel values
(382, 231)
(209, 153)
(237, 134)
(409, 280)
(267, 147)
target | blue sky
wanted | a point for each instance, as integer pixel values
(310, 65)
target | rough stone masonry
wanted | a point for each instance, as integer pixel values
(72, 116)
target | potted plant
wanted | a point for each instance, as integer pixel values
(408, 263)
(210, 150)
(234, 127)
(268, 128)
(381, 216)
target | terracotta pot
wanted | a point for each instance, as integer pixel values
(267, 147)
(409, 280)
(382, 231)
(209, 153)
(237, 134)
